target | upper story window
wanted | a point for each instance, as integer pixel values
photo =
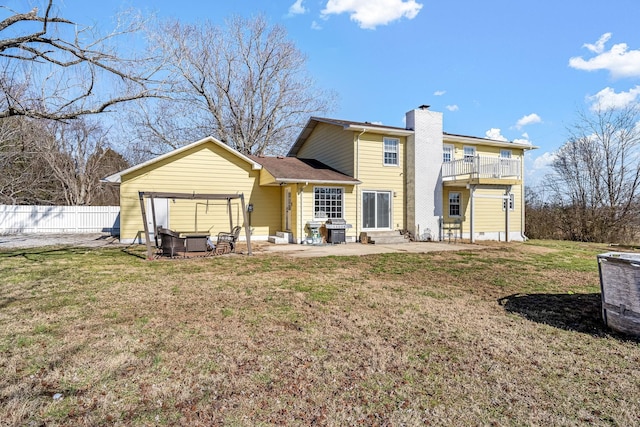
(391, 150)
(447, 153)
(469, 153)
(505, 154)
(328, 202)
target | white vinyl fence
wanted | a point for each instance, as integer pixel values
(59, 219)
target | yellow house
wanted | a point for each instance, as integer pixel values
(361, 178)
(483, 182)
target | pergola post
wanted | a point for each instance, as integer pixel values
(144, 223)
(246, 226)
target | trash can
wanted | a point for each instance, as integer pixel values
(620, 290)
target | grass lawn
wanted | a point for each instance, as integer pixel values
(509, 335)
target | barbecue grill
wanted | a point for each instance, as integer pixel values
(336, 230)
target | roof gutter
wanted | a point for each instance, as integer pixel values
(283, 181)
(380, 130)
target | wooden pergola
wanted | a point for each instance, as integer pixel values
(190, 196)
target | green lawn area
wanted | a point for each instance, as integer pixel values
(508, 335)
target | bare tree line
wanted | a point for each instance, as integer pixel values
(73, 96)
(593, 193)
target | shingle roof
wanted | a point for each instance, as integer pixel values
(293, 169)
(346, 125)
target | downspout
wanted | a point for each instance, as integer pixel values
(358, 178)
(301, 201)
(522, 199)
(507, 200)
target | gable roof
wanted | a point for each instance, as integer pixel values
(348, 126)
(116, 178)
(293, 169)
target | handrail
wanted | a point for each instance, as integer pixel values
(482, 167)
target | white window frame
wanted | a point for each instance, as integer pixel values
(469, 153)
(329, 212)
(512, 202)
(451, 193)
(447, 149)
(505, 154)
(390, 213)
(390, 150)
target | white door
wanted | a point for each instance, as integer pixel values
(287, 209)
(161, 209)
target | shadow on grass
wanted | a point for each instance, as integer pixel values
(41, 253)
(574, 312)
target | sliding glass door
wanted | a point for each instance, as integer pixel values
(376, 209)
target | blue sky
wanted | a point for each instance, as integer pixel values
(500, 68)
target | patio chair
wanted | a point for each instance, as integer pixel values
(170, 242)
(228, 240)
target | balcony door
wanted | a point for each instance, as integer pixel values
(376, 210)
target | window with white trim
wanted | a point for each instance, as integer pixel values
(447, 153)
(328, 202)
(512, 202)
(505, 154)
(455, 202)
(469, 153)
(390, 152)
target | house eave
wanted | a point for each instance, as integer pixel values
(284, 181)
(472, 140)
(378, 130)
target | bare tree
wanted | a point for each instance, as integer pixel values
(244, 83)
(78, 156)
(596, 175)
(50, 67)
(56, 163)
(25, 178)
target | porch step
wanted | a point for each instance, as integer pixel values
(382, 237)
(281, 238)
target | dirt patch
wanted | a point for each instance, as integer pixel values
(16, 241)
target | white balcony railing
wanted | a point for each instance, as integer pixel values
(481, 167)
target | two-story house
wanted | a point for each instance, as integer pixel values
(370, 176)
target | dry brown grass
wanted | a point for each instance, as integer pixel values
(506, 336)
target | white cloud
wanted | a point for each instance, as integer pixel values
(522, 141)
(371, 13)
(315, 26)
(439, 92)
(453, 107)
(544, 160)
(528, 120)
(495, 134)
(297, 8)
(608, 98)
(598, 47)
(619, 60)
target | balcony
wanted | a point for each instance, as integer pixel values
(483, 170)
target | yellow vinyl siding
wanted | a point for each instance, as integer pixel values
(377, 177)
(332, 146)
(206, 168)
(489, 214)
(489, 217)
(305, 208)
